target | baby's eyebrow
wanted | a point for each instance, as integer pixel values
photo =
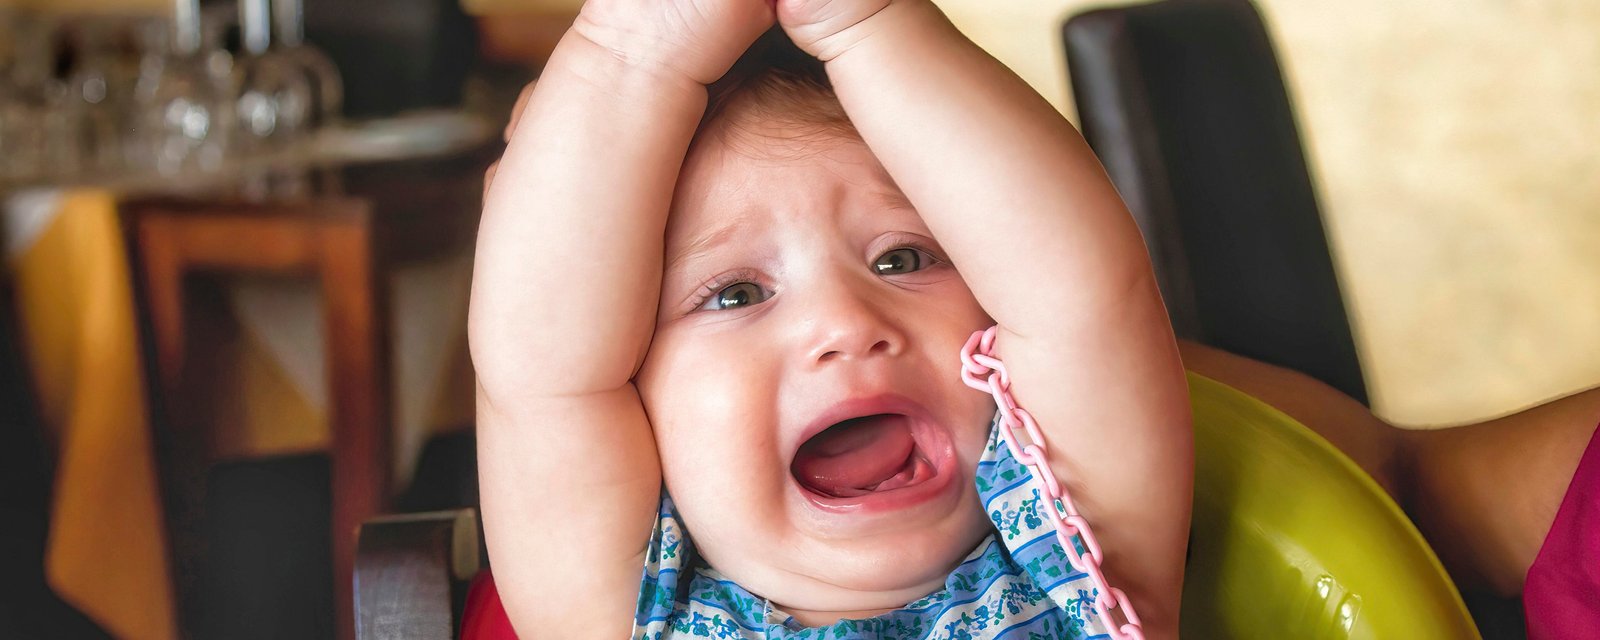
(703, 243)
(892, 199)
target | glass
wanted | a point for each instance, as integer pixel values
(184, 111)
(323, 76)
(273, 101)
(99, 89)
(25, 93)
(11, 112)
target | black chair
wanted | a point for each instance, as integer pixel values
(1184, 103)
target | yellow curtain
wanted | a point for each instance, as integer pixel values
(107, 553)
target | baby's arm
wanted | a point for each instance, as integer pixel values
(1026, 213)
(566, 281)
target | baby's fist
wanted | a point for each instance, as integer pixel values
(697, 39)
(826, 28)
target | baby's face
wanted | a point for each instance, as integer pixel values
(803, 382)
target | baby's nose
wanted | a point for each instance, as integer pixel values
(854, 326)
(881, 346)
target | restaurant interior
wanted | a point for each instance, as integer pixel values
(238, 246)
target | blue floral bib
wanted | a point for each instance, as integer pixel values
(1016, 584)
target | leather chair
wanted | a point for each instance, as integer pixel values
(1184, 103)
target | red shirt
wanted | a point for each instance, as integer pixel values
(1561, 596)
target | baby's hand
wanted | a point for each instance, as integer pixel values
(826, 28)
(694, 39)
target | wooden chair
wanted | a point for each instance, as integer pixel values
(398, 212)
(332, 240)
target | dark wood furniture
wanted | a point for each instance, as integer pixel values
(330, 239)
(384, 215)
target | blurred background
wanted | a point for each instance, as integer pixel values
(238, 244)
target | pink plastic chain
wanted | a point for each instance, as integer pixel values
(984, 372)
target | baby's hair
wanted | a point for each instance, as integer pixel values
(775, 81)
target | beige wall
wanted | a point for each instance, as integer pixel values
(1456, 146)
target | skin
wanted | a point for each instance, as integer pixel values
(587, 350)
(621, 96)
(1020, 203)
(729, 390)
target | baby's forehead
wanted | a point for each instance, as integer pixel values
(777, 167)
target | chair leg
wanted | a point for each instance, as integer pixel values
(358, 350)
(180, 447)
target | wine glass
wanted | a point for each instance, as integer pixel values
(98, 93)
(327, 86)
(25, 89)
(273, 101)
(186, 115)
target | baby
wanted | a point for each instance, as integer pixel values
(755, 305)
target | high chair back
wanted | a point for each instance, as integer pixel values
(1184, 103)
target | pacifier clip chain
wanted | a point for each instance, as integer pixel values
(981, 370)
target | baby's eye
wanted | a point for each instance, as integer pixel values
(739, 294)
(902, 260)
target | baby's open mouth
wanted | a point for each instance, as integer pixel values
(862, 455)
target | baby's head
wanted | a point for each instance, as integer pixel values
(803, 380)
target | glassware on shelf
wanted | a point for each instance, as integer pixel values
(327, 86)
(186, 115)
(25, 92)
(98, 91)
(215, 23)
(61, 125)
(273, 100)
(12, 114)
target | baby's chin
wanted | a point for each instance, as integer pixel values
(881, 573)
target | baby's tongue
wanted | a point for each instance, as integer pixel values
(852, 457)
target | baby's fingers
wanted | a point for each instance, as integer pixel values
(821, 27)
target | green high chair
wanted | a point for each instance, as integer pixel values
(1291, 540)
